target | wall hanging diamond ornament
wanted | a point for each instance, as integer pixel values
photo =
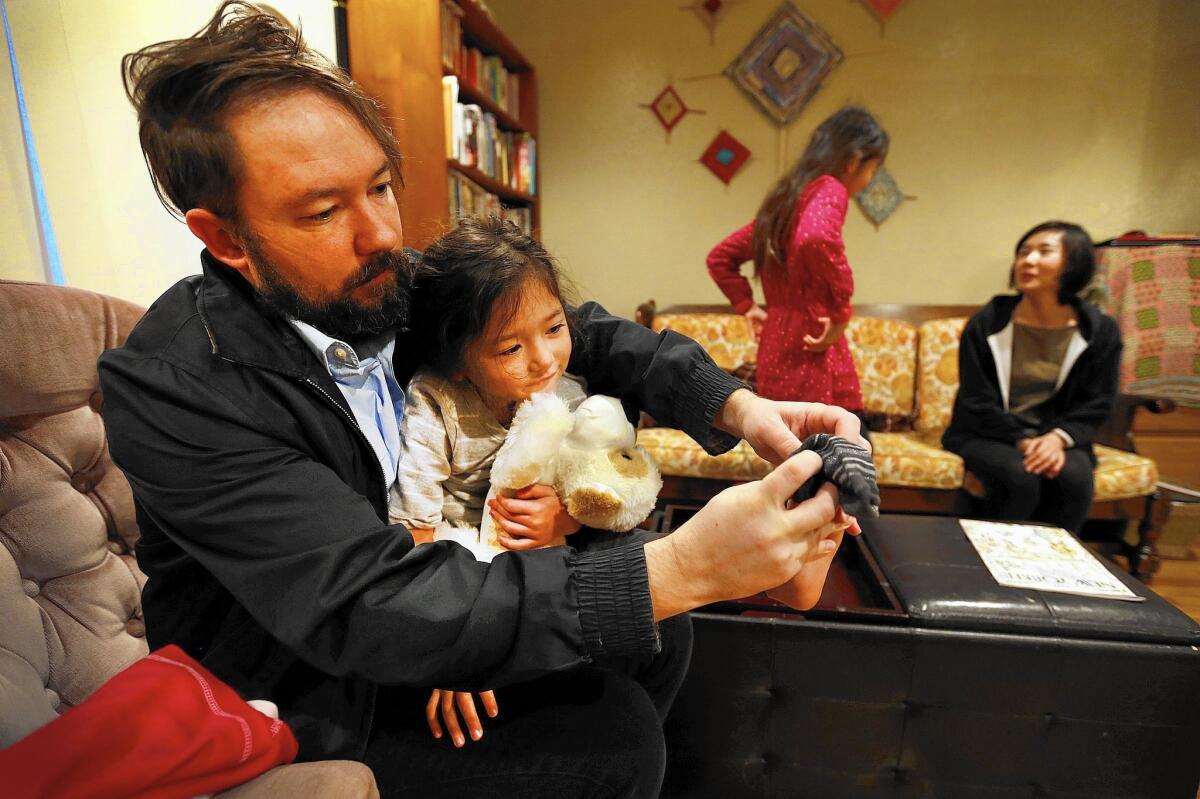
(668, 108)
(881, 197)
(883, 9)
(785, 64)
(725, 156)
(710, 13)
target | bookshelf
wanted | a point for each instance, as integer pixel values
(400, 53)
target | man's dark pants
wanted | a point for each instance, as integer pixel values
(594, 731)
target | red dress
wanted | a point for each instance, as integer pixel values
(817, 282)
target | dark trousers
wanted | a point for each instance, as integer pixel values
(1015, 495)
(594, 731)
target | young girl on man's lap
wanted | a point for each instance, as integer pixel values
(493, 330)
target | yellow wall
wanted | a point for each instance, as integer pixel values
(113, 235)
(1003, 113)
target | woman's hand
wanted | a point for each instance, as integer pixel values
(1044, 455)
(757, 317)
(451, 703)
(531, 518)
(829, 335)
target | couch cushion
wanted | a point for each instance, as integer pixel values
(725, 336)
(902, 459)
(885, 355)
(913, 460)
(1121, 475)
(937, 379)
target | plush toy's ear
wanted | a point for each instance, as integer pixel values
(530, 451)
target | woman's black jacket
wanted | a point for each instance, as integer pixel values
(1078, 406)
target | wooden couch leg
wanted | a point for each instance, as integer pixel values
(1144, 560)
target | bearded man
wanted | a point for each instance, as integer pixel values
(254, 410)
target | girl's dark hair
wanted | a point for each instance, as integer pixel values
(1079, 258)
(183, 91)
(468, 276)
(850, 132)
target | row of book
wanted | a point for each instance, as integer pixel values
(474, 139)
(484, 73)
(468, 198)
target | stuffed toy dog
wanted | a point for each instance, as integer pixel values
(589, 457)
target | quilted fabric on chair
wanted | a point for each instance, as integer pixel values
(69, 586)
(70, 589)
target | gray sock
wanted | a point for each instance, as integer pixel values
(847, 466)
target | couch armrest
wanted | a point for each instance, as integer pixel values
(332, 779)
(645, 313)
(1117, 430)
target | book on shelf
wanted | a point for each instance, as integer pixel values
(468, 198)
(451, 34)
(480, 71)
(475, 139)
(451, 124)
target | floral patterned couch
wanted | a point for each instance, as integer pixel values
(907, 360)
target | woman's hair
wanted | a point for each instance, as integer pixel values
(478, 271)
(850, 132)
(184, 90)
(1079, 258)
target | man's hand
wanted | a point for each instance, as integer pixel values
(830, 333)
(747, 539)
(531, 518)
(757, 317)
(451, 703)
(775, 429)
(1045, 455)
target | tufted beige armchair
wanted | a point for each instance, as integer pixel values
(70, 611)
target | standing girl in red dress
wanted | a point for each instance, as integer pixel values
(796, 244)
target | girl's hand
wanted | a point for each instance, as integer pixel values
(451, 703)
(531, 518)
(829, 336)
(756, 316)
(1045, 455)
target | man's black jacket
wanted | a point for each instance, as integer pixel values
(1079, 406)
(263, 517)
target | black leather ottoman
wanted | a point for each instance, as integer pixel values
(919, 676)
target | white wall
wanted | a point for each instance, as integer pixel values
(113, 235)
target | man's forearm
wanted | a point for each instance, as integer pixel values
(671, 592)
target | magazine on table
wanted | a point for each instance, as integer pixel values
(1044, 559)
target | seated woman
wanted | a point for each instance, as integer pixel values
(1037, 377)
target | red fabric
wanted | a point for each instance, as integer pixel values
(816, 282)
(164, 727)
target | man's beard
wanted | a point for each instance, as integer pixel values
(341, 317)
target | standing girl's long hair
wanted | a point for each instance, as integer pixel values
(850, 132)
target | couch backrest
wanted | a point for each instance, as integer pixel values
(70, 611)
(937, 358)
(906, 355)
(725, 336)
(884, 352)
(885, 356)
